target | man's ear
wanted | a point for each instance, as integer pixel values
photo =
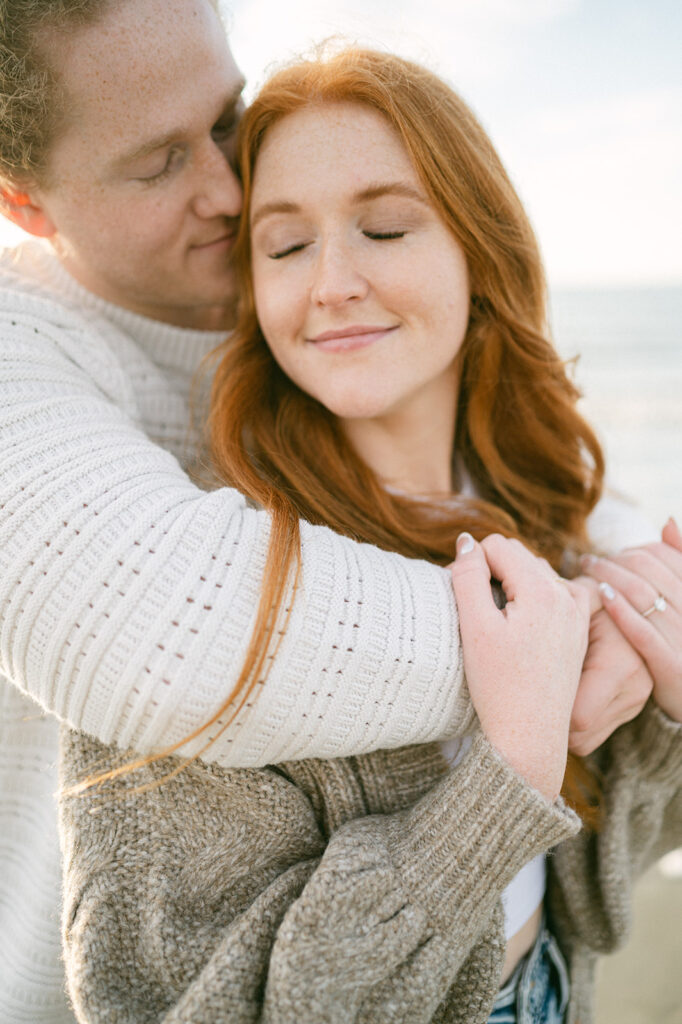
(22, 209)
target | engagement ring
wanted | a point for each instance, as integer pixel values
(659, 605)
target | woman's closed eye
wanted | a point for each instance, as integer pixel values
(384, 236)
(279, 254)
(375, 236)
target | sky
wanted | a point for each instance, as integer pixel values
(583, 99)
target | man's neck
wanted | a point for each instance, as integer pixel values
(199, 317)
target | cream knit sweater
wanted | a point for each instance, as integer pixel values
(127, 596)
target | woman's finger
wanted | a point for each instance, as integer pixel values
(665, 554)
(517, 568)
(646, 563)
(641, 581)
(644, 632)
(471, 583)
(661, 651)
(672, 535)
(522, 664)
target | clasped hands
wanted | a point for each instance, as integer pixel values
(630, 656)
(565, 663)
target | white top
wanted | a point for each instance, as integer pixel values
(127, 596)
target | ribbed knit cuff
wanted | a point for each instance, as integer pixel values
(481, 825)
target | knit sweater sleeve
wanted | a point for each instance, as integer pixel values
(593, 874)
(128, 595)
(252, 912)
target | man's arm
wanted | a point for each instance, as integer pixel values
(127, 595)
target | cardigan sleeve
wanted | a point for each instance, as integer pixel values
(128, 595)
(592, 874)
(218, 896)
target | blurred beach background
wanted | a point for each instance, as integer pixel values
(629, 344)
(583, 99)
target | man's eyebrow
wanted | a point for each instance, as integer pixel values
(365, 195)
(161, 141)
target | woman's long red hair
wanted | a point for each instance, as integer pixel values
(536, 465)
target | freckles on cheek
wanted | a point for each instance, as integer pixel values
(273, 305)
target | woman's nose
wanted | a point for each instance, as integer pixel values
(337, 279)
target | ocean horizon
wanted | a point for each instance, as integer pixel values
(629, 368)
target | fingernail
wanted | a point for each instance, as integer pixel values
(673, 522)
(586, 561)
(465, 544)
(608, 591)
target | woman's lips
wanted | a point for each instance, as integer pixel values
(347, 339)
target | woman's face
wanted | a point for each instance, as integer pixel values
(361, 291)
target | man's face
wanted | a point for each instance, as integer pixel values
(141, 191)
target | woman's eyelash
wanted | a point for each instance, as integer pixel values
(378, 236)
(287, 252)
(384, 235)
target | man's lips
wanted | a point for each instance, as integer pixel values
(345, 339)
(225, 239)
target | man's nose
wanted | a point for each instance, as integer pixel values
(336, 278)
(219, 192)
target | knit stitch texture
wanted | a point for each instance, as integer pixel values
(363, 890)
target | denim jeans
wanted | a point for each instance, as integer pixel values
(537, 992)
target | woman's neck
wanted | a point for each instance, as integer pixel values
(410, 449)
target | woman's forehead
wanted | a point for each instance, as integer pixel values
(339, 142)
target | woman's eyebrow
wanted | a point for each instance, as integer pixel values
(266, 209)
(364, 195)
(390, 188)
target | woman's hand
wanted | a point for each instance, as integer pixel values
(632, 585)
(614, 686)
(522, 663)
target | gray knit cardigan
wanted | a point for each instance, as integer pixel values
(362, 890)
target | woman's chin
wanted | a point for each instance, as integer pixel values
(350, 402)
(356, 409)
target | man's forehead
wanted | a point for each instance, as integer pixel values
(119, 87)
(141, 46)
